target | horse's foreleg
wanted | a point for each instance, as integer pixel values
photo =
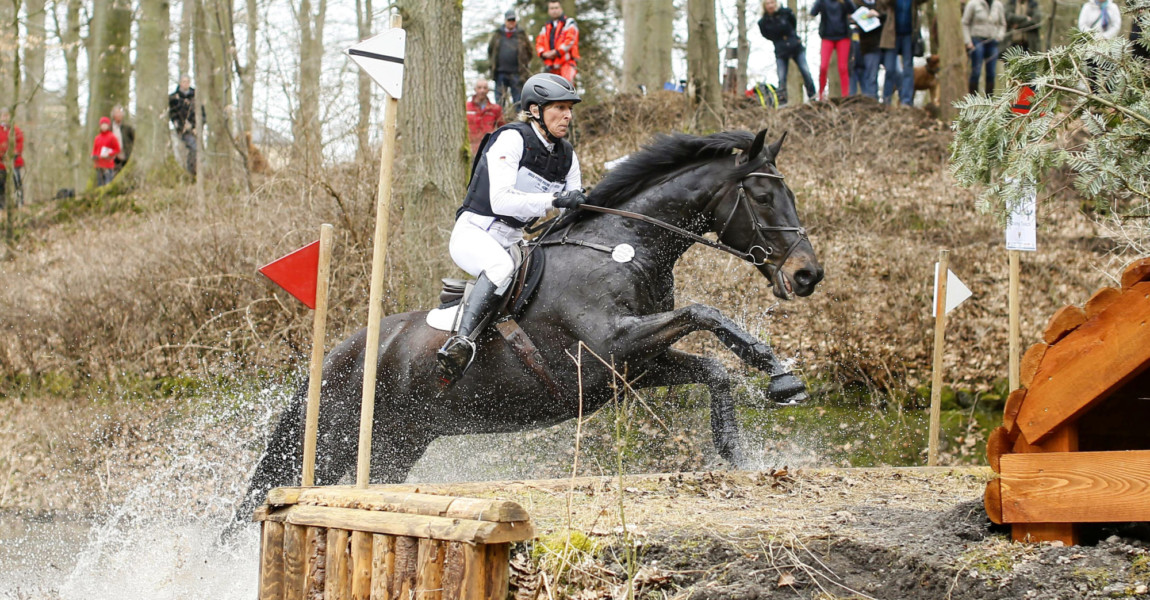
(680, 368)
(647, 336)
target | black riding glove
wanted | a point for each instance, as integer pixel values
(569, 199)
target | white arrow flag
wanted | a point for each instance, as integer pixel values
(382, 57)
(956, 292)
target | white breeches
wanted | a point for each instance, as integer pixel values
(479, 245)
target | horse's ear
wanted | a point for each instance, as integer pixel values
(757, 145)
(773, 150)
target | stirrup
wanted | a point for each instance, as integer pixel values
(450, 368)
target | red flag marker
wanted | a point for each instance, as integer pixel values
(1022, 104)
(296, 273)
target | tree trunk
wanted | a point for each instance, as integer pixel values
(952, 73)
(187, 20)
(363, 15)
(647, 37)
(35, 42)
(10, 40)
(213, 53)
(635, 36)
(248, 74)
(743, 45)
(111, 76)
(69, 36)
(431, 120)
(151, 122)
(794, 83)
(703, 65)
(307, 126)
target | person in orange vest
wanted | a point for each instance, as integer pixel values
(10, 137)
(558, 43)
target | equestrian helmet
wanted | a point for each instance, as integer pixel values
(545, 88)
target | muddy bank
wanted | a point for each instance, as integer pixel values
(897, 533)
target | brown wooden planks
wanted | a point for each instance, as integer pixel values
(992, 501)
(997, 444)
(1062, 322)
(337, 585)
(453, 570)
(316, 564)
(1076, 487)
(1136, 272)
(1031, 360)
(361, 548)
(1010, 411)
(1100, 301)
(502, 511)
(440, 528)
(295, 562)
(429, 569)
(406, 568)
(272, 561)
(473, 579)
(498, 570)
(1094, 360)
(382, 566)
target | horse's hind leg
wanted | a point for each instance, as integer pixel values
(680, 368)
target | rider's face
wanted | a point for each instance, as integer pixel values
(557, 117)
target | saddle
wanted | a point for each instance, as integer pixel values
(529, 267)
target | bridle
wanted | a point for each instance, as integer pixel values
(742, 199)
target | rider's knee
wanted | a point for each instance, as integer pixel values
(500, 273)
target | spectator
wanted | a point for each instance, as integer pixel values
(558, 43)
(1023, 24)
(1102, 17)
(483, 117)
(983, 25)
(104, 151)
(10, 138)
(868, 55)
(125, 134)
(835, 31)
(509, 53)
(182, 113)
(898, 33)
(778, 27)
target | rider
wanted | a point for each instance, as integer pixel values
(524, 169)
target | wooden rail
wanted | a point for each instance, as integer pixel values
(340, 543)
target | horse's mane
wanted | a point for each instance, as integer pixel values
(661, 156)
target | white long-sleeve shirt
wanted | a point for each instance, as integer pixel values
(520, 193)
(1090, 18)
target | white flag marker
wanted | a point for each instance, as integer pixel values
(956, 292)
(382, 57)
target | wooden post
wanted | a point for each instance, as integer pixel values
(315, 376)
(936, 369)
(375, 296)
(1015, 329)
(361, 547)
(272, 561)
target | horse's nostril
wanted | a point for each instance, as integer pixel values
(806, 277)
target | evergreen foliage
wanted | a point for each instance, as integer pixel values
(1090, 114)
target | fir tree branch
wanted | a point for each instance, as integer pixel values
(1102, 101)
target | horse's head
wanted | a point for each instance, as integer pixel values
(757, 215)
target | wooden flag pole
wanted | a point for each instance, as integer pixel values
(936, 369)
(375, 296)
(1015, 328)
(315, 375)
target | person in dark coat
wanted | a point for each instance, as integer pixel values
(868, 55)
(1024, 25)
(778, 26)
(182, 113)
(509, 51)
(125, 134)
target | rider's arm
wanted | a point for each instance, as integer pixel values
(574, 179)
(503, 157)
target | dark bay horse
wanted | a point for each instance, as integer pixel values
(725, 183)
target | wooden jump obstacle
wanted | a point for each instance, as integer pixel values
(339, 543)
(1074, 446)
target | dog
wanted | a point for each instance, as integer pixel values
(256, 161)
(926, 78)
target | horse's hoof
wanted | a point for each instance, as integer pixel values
(787, 390)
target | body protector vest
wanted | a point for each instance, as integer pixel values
(540, 170)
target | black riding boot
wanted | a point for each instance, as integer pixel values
(459, 350)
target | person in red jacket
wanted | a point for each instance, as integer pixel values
(558, 43)
(483, 116)
(104, 152)
(10, 134)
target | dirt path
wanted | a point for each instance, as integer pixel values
(898, 533)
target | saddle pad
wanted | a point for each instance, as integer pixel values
(442, 318)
